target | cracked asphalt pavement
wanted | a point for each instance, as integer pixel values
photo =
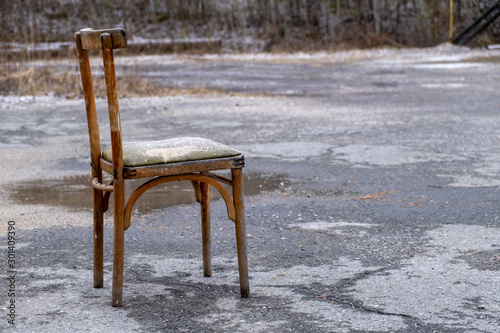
(372, 195)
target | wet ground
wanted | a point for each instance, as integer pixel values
(371, 199)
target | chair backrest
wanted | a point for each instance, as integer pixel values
(105, 40)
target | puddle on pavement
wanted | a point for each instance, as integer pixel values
(76, 192)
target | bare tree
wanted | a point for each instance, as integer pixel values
(281, 23)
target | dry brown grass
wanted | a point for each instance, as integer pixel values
(39, 81)
(45, 80)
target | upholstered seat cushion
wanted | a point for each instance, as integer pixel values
(170, 150)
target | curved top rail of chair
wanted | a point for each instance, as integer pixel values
(91, 39)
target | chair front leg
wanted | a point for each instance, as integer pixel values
(97, 196)
(241, 234)
(205, 229)
(118, 242)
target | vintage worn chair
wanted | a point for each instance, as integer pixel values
(168, 160)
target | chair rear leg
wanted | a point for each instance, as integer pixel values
(205, 229)
(98, 238)
(118, 243)
(241, 234)
(118, 249)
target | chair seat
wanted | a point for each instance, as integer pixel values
(170, 150)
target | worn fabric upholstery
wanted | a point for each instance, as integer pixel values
(170, 151)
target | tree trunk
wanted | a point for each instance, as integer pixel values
(376, 16)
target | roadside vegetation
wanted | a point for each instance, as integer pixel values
(240, 25)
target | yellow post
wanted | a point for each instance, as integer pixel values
(451, 20)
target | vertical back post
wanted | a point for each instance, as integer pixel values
(88, 93)
(95, 155)
(118, 181)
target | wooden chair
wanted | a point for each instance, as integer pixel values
(169, 160)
